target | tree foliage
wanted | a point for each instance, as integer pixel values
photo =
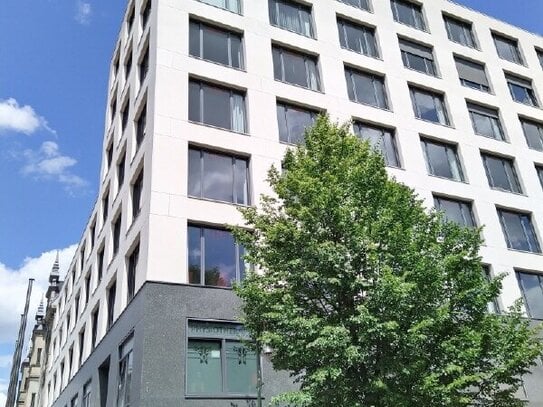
(368, 298)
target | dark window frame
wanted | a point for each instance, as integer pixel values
(292, 138)
(451, 151)
(465, 206)
(361, 4)
(413, 90)
(279, 52)
(532, 144)
(467, 28)
(368, 33)
(350, 74)
(527, 227)
(514, 48)
(513, 179)
(487, 113)
(518, 273)
(526, 85)
(391, 158)
(300, 21)
(237, 10)
(481, 83)
(419, 19)
(412, 52)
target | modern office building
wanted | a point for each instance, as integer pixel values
(204, 96)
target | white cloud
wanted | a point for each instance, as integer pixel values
(84, 13)
(49, 163)
(14, 285)
(20, 119)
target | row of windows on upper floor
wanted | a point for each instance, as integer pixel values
(297, 17)
(301, 69)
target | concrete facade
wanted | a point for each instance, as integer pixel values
(161, 29)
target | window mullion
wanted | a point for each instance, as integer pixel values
(202, 169)
(202, 256)
(234, 175)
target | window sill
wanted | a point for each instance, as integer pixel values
(509, 192)
(448, 179)
(424, 30)
(527, 104)
(386, 109)
(220, 8)
(525, 251)
(299, 86)
(368, 10)
(197, 198)
(218, 63)
(314, 37)
(422, 72)
(492, 138)
(475, 47)
(437, 123)
(376, 57)
(222, 396)
(219, 128)
(519, 63)
(488, 92)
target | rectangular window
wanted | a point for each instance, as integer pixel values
(531, 285)
(120, 172)
(366, 88)
(125, 372)
(455, 210)
(358, 38)
(76, 307)
(125, 112)
(219, 352)
(231, 5)
(442, 160)
(381, 139)
(521, 90)
(92, 234)
(86, 402)
(215, 44)
(105, 206)
(417, 57)
(291, 16)
(87, 288)
(292, 122)
(109, 155)
(94, 327)
(131, 271)
(130, 20)
(493, 306)
(113, 108)
(33, 400)
(507, 48)
(361, 4)
(486, 121)
(519, 231)
(116, 234)
(100, 265)
(429, 106)
(540, 56)
(145, 14)
(296, 68)
(408, 13)
(128, 65)
(81, 345)
(218, 176)
(533, 132)
(214, 258)
(501, 173)
(459, 31)
(472, 74)
(111, 293)
(539, 170)
(137, 188)
(141, 125)
(217, 106)
(81, 261)
(143, 66)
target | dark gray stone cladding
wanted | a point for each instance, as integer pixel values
(158, 316)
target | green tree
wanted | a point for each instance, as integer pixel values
(369, 299)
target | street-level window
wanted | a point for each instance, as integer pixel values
(519, 231)
(219, 360)
(214, 257)
(486, 121)
(417, 57)
(86, 402)
(472, 74)
(231, 5)
(531, 285)
(217, 106)
(459, 31)
(380, 138)
(409, 13)
(442, 159)
(521, 90)
(218, 176)
(125, 372)
(361, 4)
(215, 44)
(533, 132)
(501, 173)
(455, 210)
(292, 122)
(367, 88)
(296, 68)
(507, 48)
(357, 37)
(292, 16)
(429, 106)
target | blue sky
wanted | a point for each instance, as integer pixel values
(54, 60)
